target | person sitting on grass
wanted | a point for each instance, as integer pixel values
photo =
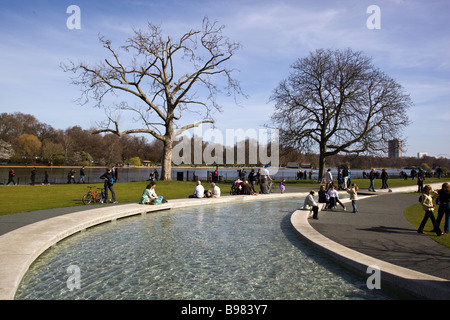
(215, 193)
(247, 189)
(215, 190)
(264, 187)
(199, 191)
(149, 195)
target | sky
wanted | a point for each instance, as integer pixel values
(412, 45)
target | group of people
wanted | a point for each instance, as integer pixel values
(428, 200)
(243, 186)
(329, 199)
(12, 174)
(45, 181)
(343, 179)
(149, 195)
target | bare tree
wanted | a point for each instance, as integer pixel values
(339, 102)
(165, 75)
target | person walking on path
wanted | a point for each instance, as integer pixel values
(428, 207)
(420, 179)
(45, 181)
(328, 179)
(384, 179)
(82, 176)
(71, 177)
(33, 176)
(11, 175)
(345, 175)
(109, 182)
(353, 196)
(252, 179)
(372, 176)
(444, 207)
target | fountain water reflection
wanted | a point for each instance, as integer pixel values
(238, 251)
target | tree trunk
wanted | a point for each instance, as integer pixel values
(166, 165)
(321, 167)
(322, 162)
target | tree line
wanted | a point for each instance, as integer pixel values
(27, 140)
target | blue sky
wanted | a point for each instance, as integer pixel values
(412, 46)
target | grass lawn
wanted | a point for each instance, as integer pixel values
(364, 183)
(14, 199)
(414, 214)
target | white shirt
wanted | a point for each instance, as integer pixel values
(328, 177)
(309, 202)
(199, 191)
(333, 193)
(153, 193)
(216, 191)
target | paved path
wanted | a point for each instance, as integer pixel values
(380, 230)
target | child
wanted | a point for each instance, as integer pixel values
(353, 196)
(282, 187)
(428, 207)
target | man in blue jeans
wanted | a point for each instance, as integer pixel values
(109, 182)
(372, 177)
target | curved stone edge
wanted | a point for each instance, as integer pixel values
(21, 247)
(412, 282)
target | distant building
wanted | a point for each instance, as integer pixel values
(422, 154)
(395, 148)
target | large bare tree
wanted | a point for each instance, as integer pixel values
(337, 101)
(165, 75)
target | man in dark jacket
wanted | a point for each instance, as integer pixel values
(109, 182)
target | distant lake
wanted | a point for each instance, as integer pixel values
(129, 174)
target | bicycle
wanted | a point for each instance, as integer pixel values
(272, 186)
(94, 196)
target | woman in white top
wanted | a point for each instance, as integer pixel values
(334, 198)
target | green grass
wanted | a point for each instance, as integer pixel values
(15, 199)
(364, 183)
(414, 214)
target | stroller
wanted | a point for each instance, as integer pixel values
(236, 187)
